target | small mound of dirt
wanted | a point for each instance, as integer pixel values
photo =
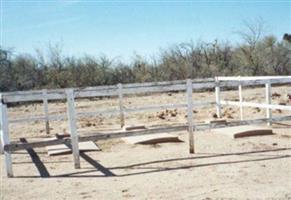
(166, 114)
(275, 94)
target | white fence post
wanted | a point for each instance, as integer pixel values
(73, 127)
(5, 138)
(1, 143)
(217, 98)
(190, 115)
(120, 101)
(45, 109)
(240, 100)
(268, 101)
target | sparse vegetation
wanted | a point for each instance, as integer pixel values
(256, 55)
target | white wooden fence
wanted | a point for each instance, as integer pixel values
(120, 91)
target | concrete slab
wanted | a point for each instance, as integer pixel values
(244, 131)
(62, 149)
(152, 139)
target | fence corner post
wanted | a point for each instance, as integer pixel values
(190, 115)
(5, 137)
(120, 102)
(73, 127)
(217, 97)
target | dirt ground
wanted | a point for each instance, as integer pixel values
(221, 168)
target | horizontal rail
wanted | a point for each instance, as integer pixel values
(112, 135)
(12, 98)
(137, 88)
(97, 136)
(63, 117)
(155, 108)
(248, 78)
(39, 118)
(235, 83)
(109, 112)
(201, 127)
(163, 83)
(168, 106)
(257, 105)
(98, 113)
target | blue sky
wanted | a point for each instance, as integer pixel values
(120, 28)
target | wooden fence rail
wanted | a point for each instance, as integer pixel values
(120, 91)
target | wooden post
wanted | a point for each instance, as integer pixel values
(268, 101)
(73, 126)
(217, 98)
(190, 115)
(5, 138)
(1, 143)
(45, 109)
(240, 99)
(120, 100)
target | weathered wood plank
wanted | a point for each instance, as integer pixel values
(120, 103)
(190, 115)
(1, 132)
(111, 112)
(168, 106)
(154, 89)
(258, 105)
(73, 127)
(45, 109)
(39, 118)
(249, 78)
(268, 101)
(235, 83)
(155, 108)
(5, 138)
(95, 137)
(202, 127)
(240, 100)
(217, 98)
(1, 143)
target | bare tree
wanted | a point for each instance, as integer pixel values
(251, 35)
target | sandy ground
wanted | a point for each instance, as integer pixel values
(221, 168)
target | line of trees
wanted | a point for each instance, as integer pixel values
(256, 55)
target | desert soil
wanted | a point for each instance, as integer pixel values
(221, 168)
